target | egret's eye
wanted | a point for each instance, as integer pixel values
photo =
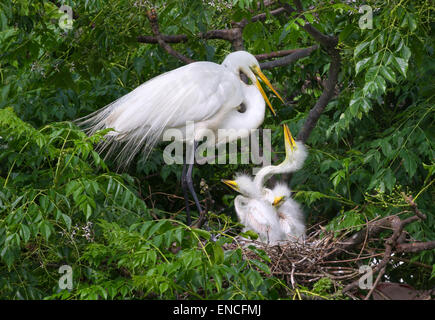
(242, 108)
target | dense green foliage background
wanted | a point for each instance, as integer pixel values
(60, 203)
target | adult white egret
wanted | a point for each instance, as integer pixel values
(210, 95)
(254, 212)
(287, 210)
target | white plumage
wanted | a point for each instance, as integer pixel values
(286, 220)
(290, 215)
(254, 212)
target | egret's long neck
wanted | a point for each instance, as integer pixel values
(288, 165)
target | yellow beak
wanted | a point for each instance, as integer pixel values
(232, 184)
(277, 201)
(265, 97)
(288, 138)
(260, 74)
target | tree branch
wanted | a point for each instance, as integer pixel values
(225, 34)
(295, 55)
(152, 16)
(326, 96)
(329, 43)
(275, 54)
(415, 246)
(392, 244)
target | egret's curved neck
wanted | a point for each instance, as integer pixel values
(287, 166)
(253, 111)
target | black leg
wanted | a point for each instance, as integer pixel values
(191, 188)
(186, 196)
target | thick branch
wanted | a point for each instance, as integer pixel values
(225, 34)
(296, 55)
(275, 54)
(415, 246)
(326, 96)
(329, 43)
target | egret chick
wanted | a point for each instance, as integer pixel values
(290, 215)
(254, 212)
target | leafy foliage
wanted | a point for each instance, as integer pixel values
(124, 234)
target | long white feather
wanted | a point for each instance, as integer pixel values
(195, 92)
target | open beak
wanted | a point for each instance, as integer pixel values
(232, 184)
(288, 138)
(278, 201)
(261, 75)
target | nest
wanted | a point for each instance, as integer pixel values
(305, 262)
(324, 255)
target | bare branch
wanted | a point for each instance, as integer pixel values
(225, 34)
(296, 55)
(415, 246)
(326, 96)
(275, 54)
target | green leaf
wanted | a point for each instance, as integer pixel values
(405, 52)
(409, 162)
(88, 211)
(156, 227)
(387, 150)
(411, 22)
(44, 228)
(401, 65)
(202, 233)
(67, 221)
(218, 254)
(25, 233)
(360, 48)
(388, 73)
(380, 82)
(370, 88)
(390, 179)
(371, 74)
(260, 265)
(163, 287)
(362, 64)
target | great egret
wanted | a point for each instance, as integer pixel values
(287, 210)
(290, 215)
(254, 212)
(212, 96)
